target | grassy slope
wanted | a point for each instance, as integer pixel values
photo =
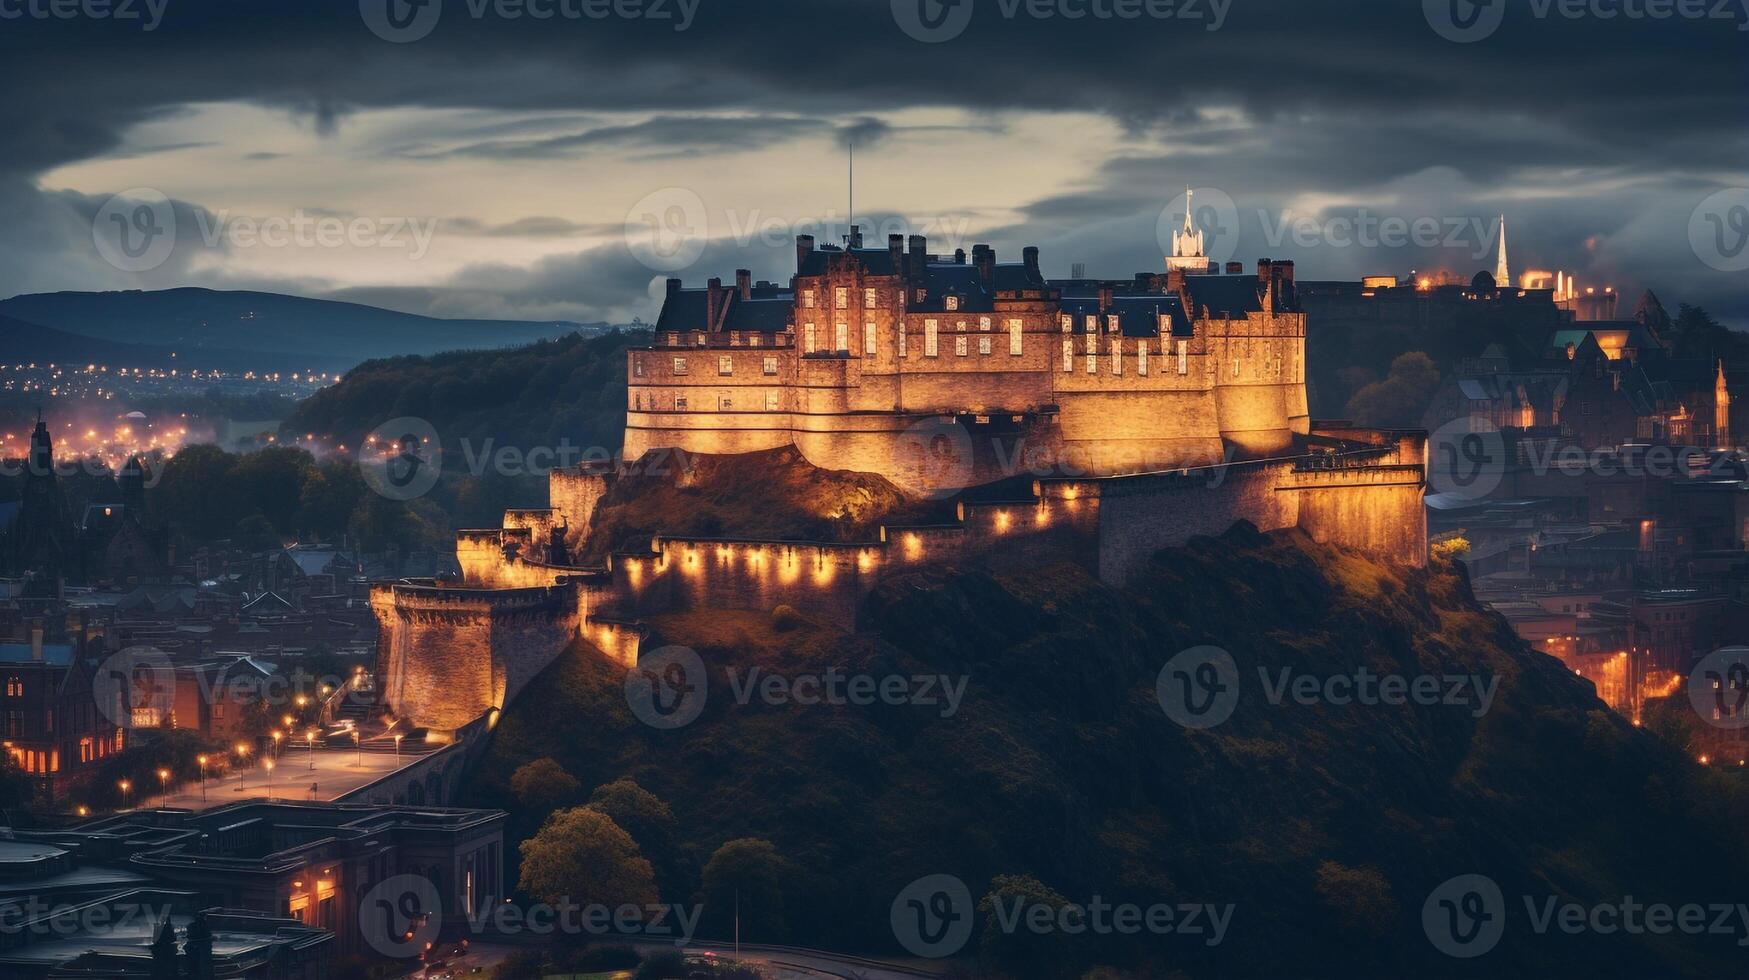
(1061, 764)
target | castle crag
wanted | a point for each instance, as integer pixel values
(1085, 420)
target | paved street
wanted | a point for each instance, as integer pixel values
(337, 772)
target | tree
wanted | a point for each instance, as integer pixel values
(1361, 897)
(1451, 549)
(1400, 399)
(1008, 946)
(750, 875)
(544, 784)
(639, 811)
(582, 856)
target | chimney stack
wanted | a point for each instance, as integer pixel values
(855, 239)
(1105, 295)
(673, 286)
(918, 254)
(1235, 268)
(804, 248)
(713, 303)
(1029, 256)
(984, 257)
(744, 283)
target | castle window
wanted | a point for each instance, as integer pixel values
(983, 345)
(680, 403)
(1067, 322)
(922, 294)
(14, 686)
(953, 302)
(1142, 358)
(752, 340)
(1092, 323)
(983, 323)
(638, 367)
(931, 338)
(680, 365)
(959, 346)
(868, 299)
(1117, 356)
(808, 299)
(771, 401)
(1184, 357)
(1014, 334)
(868, 338)
(1235, 365)
(725, 365)
(1068, 355)
(841, 297)
(842, 338)
(808, 338)
(725, 403)
(1111, 323)
(903, 346)
(637, 403)
(770, 366)
(1092, 363)
(1165, 324)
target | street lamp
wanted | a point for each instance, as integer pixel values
(202, 760)
(268, 765)
(310, 741)
(163, 787)
(358, 744)
(242, 753)
(398, 738)
(126, 787)
(277, 735)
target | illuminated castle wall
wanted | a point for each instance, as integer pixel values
(868, 346)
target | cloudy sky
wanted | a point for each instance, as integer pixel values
(548, 159)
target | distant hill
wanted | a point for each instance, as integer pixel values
(22, 342)
(296, 331)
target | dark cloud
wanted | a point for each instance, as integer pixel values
(1599, 136)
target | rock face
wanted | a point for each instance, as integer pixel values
(1326, 825)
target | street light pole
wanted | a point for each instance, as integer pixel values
(202, 760)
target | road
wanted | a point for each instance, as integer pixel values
(337, 772)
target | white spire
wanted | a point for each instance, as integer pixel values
(1502, 274)
(1187, 244)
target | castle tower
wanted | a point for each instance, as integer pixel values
(1721, 410)
(42, 514)
(1502, 273)
(1188, 252)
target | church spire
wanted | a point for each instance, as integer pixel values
(1502, 274)
(1187, 244)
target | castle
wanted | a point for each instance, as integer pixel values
(1104, 419)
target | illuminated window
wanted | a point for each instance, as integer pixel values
(1068, 355)
(1111, 323)
(1235, 365)
(752, 340)
(931, 338)
(771, 401)
(1092, 323)
(1165, 324)
(808, 299)
(1117, 355)
(983, 323)
(1092, 363)
(841, 297)
(983, 345)
(680, 403)
(842, 337)
(1067, 322)
(808, 339)
(725, 365)
(680, 365)
(771, 365)
(953, 302)
(903, 346)
(638, 366)
(14, 686)
(1184, 357)
(1014, 334)
(868, 338)
(959, 346)
(868, 299)
(1142, 358)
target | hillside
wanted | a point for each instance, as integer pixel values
(298, 332)
(1326, 826)
(22, 342)
(773, 494)
(569, 392)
